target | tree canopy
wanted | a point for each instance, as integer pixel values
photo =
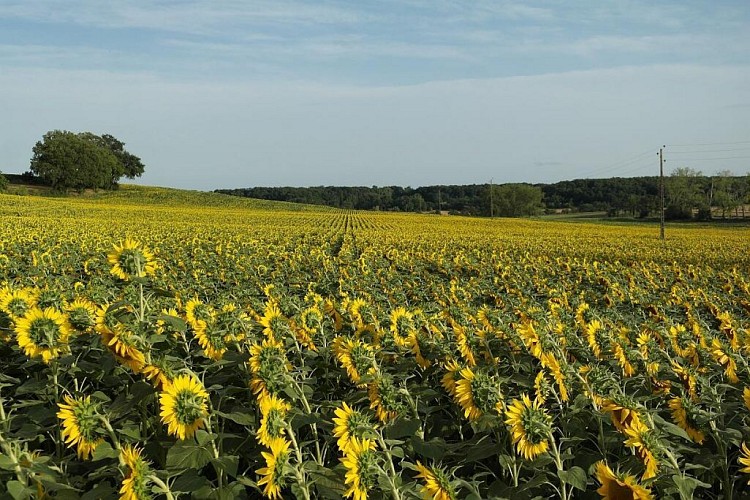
(68, 160)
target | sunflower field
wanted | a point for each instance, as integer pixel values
(161, 344)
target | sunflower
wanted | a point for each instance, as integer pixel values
(622, 411)
(619, 486)
(198, 314)
(273, 473)
(478, 393)
(43, 333)
(131, 259)
(80, 423)
(349, 424)
(542, 387)
(158, 374)
(268, 365)
(530, 426)
(595, 337)
(744, 459)
(385, 398)
(725, 359)
(126, 346)
(402, 324)
(81, 314)
(184, 406)
(272, 422)
(135, 484)
(436, 484)
(640, 439)
(686, 375)
(273, 322)
(213, 341)
(682, 411)
(465, 342)
(15, 302)
(357, 357)
(449, 381)
(746, 397)
(361, 468)
(551, 363)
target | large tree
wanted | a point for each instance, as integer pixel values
(66, 160)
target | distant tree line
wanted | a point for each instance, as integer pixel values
(688, 194)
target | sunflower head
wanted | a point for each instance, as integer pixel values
(385, 398)
(619, 486)
(269, 367)
(530, 427)
(273, 479)
(15, 302)
(81, 424)
(81, 314)
(349, 424)
(361, 462)
(437, 485)
(131, 260)
(478, 392)
(184, 406)
(136, 483)
(43, 333)
(273, 421)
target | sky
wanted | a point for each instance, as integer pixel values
(237, 93)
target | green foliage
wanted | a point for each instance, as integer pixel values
(66, 160)
(3, 182)
(514, 200)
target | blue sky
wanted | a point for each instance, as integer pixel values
(237, 93)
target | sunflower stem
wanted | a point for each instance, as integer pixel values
(161, 484)
(394, 489)
(313, 426)
(299, 471)
(110, 431)
(7, 448)
(559, 463)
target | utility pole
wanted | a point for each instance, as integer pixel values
(492, 205)
(661, 191)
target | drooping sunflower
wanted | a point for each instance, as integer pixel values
(198, 314)
(131, 259)
(184, 406)
(16, 301)
(357, 357)
(43, 333)
(80, 425)
(682, 413)
(158, 373)
(402, 324)
(272, 422)
(744, 459)
(436, 485)
(641, 440)
(273, 321)
(272, 474)
(619, 486)
(268, 365)
(349, 424)
(136, 483)
(746, 397)
(127, 347)
(361, 468)
(726, 359)
(385, 398)
(478, 393)
(81, 314)
(530, 427)
(623, 411)
(451, 377)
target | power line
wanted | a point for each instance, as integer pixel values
(618, 165)
(712, 159)
(709, 151)
(707, 144)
